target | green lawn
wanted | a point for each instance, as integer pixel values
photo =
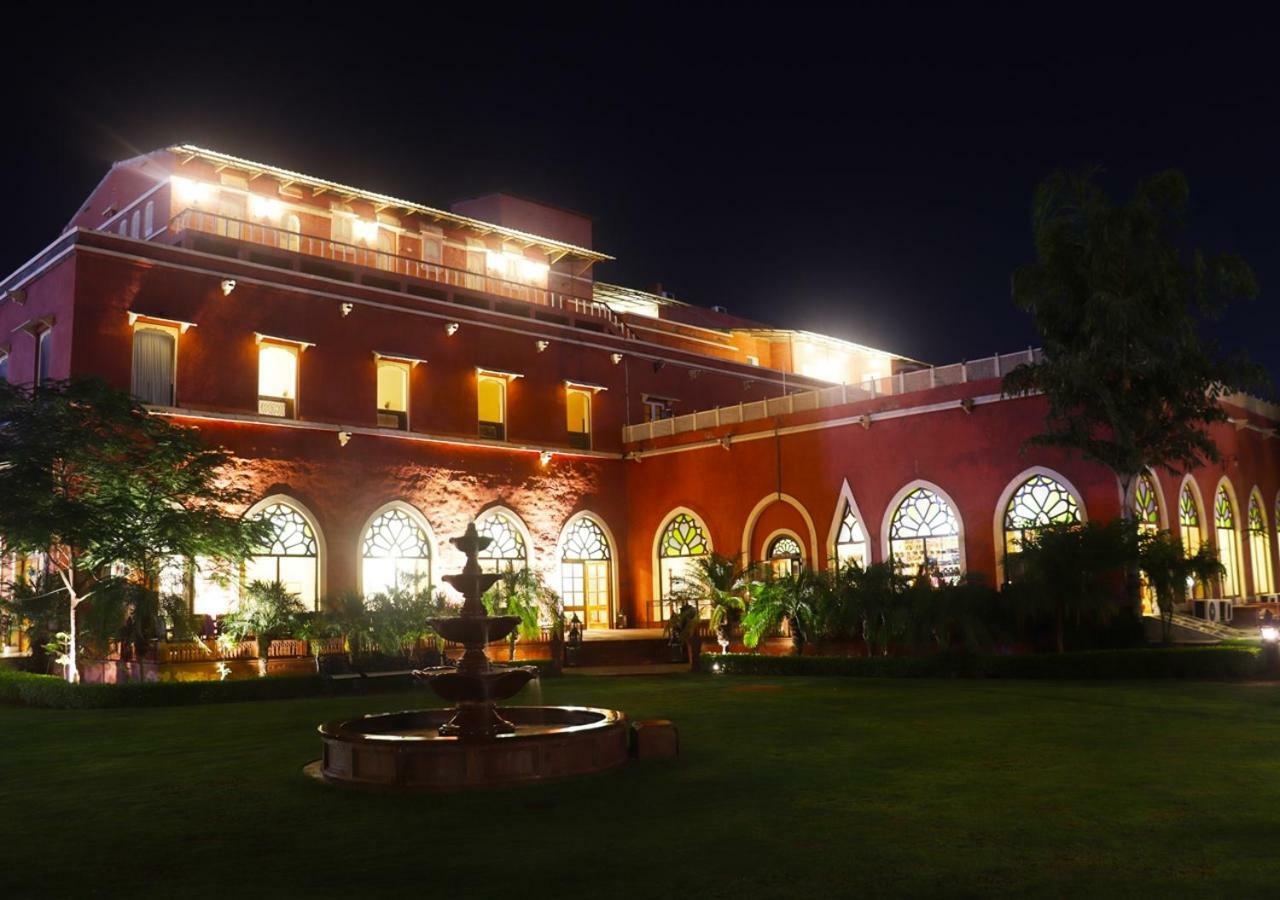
(817, 787)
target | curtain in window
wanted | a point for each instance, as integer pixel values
(153, 366)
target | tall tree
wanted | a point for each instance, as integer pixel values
(1120, 298)
(92, 480)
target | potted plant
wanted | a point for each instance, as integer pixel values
(684, 630)
(267, 611)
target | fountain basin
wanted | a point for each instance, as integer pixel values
(404, 751)
(497, 683)
(477, 630)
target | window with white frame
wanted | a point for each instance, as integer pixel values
(432, 244)
(155, 354)
(924, 536)
(277, 380)
(656, 408)
(491, 406)
(506, 551)
(149, 218)
(1259, 547)
(396, 554)
(291, 555)
(393, 394)
(578, 405)
(851, 540)
(44, 355)
(1224, 526)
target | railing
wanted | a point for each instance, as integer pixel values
(836, 395)
(195, 220)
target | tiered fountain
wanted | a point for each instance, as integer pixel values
(476, 742)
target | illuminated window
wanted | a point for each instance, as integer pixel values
(924, 536)
(506, 551)
(785, 557)
(155, 353)
(477, 263)
(1146, 507)
(1259, 548)
(4, 365)
(396, 554)
(135, 223)
(291, 556)
(682, 542)
(1224, 525)
(233, 210)
(149, 218)
(1146, 514)
(851, 540)
(1190, 531)
(586, 576)
(289, 235)
(1038, 502)
(277, 380)
(393, 394)
(578, 404)
(491, 394)
(342, 224)
(214, 588)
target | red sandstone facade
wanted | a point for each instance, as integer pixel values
(365, 356)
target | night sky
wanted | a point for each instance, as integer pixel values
(866, 177)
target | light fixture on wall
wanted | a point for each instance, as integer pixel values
(748, 384)
(865, 421)
(343, 437)
(694, 373)
(659, 365)
(967, 405)
(616, 357)
(451, 329)
(545, 457)
(228, 285)
(541, 345)
(346, 309)
(18, 296)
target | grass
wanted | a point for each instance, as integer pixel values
(786, 786)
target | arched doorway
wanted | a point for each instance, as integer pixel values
(586, 572)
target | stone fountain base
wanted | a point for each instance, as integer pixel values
(405, 751)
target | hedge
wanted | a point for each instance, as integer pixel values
(1180, 662)
(28, 689)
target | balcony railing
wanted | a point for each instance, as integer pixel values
(836, 395)
(196, 220)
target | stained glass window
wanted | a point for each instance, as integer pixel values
(291, 555)
(683, 537)
(1146, 507)
(506, 550)
(785, 556)
(585, 540)
(924, 536)
(397, 553)
(1224, 523)
(1259, 548)
(1038, 502)
(785, 546)
(1189, 531)
(683, 540)
(851, 540)
(586, 577)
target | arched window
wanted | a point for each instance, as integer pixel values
(149, 218)
(1190, 531)
(586, 576)
(924, 536)
(396, 554)
(1146, 505)
(291, 556)
(1259, 547)
(851, 540)
(506, 551)
(785, 556)
(135, 223)
(1038, 501)
(683, 541)
(1224, 525)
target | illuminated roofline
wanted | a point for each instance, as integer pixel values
(225, 159)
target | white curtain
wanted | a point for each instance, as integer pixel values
(153, 366)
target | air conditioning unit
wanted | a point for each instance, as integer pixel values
(580, 440)
(1214, 610)
(391, 419)
(494, 431)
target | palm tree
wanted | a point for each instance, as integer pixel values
(718, 584)
(521, 593)
(1169, 570)
(776, 600)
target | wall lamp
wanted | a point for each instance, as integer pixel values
(451, 329)
(346, 309)
(545, 457)
(228, 285)
(542, 345)
(616, 357)
(343, 437)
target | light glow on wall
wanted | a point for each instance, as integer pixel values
(365, 231)
(265, 207)
(189, 192)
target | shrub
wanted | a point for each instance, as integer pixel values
(28, 689)
(1181, 662)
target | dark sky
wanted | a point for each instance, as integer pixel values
(845, 172)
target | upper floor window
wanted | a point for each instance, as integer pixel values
(149, 218)
(656, 408)
(393, 394)
(578, 403)
(491, 394)
(4, 364)
(342, 223)
(135, 224)
(277, 379)
(432, 245)
(155, 354)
